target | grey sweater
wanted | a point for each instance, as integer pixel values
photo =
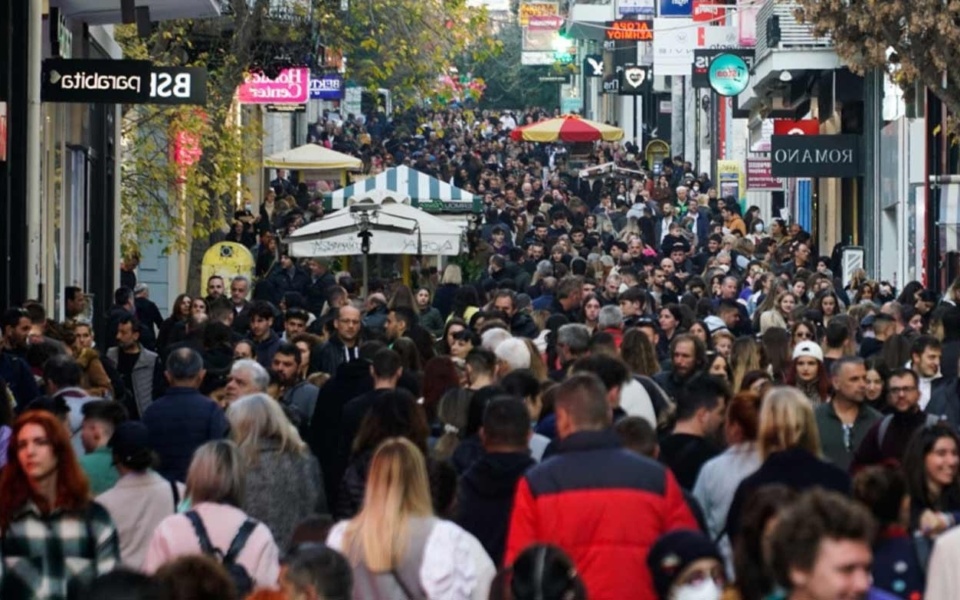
(283, 489)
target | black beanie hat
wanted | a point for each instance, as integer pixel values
(673, 552)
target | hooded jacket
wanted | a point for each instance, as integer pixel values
(485, 498)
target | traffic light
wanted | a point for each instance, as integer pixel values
(564, 48)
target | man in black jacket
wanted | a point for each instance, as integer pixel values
(341, 348)
(485, 496)
(521, 324)
(321, 280)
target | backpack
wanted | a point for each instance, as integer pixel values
(238, 573)
(885, 425)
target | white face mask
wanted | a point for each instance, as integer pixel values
(702, 590)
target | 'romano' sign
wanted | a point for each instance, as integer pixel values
(816, 156)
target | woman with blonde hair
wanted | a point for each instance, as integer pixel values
(397, 547)
(779, 314)
(789, 446)
(744, 357)
(443, 297)
(277, 463)
(215, 489)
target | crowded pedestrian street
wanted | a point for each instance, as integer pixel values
(524, 307)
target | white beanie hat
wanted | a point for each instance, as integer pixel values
(808, 348)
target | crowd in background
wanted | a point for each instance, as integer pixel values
(628, 388)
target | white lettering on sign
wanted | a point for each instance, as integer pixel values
(96, 81)
(814, 156)
(170, 85)
(325, 85)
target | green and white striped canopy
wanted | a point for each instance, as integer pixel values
(424, 191)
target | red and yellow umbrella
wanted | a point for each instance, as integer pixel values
(568, 128)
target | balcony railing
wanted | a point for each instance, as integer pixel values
(278, 10)
(793, 34)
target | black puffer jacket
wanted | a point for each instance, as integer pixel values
(485, 498)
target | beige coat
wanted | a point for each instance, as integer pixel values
(137, 504)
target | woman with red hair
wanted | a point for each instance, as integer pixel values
(55, 538)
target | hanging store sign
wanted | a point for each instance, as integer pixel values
(760, 176)
(611, 84)
(95, 81)
(635, 80)
(593, 65)
(178, 85)
(816, 155)
(646, 8)
(632, 31)
(326, 87)
(536, 9)
(292, 86)
(702, 59)
(708, 11)
(729, 75)
(676, 8)
(798, 127)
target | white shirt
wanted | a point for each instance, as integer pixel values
(455, 565)
(943, 577)
(636, 402)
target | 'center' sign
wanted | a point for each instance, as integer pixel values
(292, 86)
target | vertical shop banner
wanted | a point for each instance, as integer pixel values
(539, 22)
(747, 11)
(3, 131)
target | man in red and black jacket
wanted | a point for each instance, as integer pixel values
(603, 505)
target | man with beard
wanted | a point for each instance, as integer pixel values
(521, 324)
(295, 394)
(16, 329)
(688, 356)
(139, 368)
(701, 405)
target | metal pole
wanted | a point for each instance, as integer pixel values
(366, 275)
(34, 60)
(714, 136)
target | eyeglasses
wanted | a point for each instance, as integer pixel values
(896, 391)
(803, 335)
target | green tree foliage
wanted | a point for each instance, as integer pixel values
(916, 42)
(509, 84)
(403, 45)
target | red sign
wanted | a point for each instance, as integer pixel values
(544, 23)
(760, 176)
(801, 127)
(705, 11)
(630, 31)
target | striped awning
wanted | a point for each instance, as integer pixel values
(424, 191)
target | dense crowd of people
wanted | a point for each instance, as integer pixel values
(627, 389)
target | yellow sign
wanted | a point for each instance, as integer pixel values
(537, 9)
(227, 259)
(731, 180)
